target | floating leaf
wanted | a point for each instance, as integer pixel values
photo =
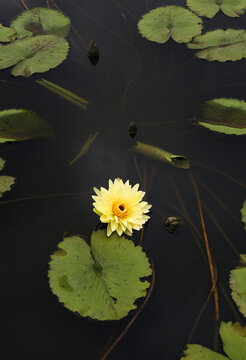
(243, 214)
(21, 124)
(5, 181)
(7, 34)
(238, 285)
(210, 8)
(5, 184)
(220, 45)
(93, 53)
(227, 116)
(2, 164)
(199, 352)
(38, 21)
(85, 147)
(65, 94)
(156, 153)
(102, 280)
(234, 340)
(234, 345)
(34, 54)
(170, 21)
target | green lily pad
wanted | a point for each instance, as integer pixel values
(234, 345)
(170, 21)
(234, 340)
(2, 164)
(34, 54)
(243, 214)
(227, 116)
(210, 8)
(220, 45)
(7, 34)
(41, 21)
(238, 285)
(21, 124)
(101, 281)
(199, 352)
(159, 154)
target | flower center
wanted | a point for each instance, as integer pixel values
(120, 209)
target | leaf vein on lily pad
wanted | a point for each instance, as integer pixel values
(110, 270)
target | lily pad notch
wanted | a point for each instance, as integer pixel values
(111, 269)
(40, 43)
(170, 21)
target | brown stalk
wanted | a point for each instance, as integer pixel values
(48, 3)
(24, 5)
(117, 340)
(210, 261)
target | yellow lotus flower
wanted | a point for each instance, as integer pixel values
(121, 206)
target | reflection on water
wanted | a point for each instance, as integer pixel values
(160, 88)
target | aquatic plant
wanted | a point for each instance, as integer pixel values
(22, 124)
(5, 181)
(243, 214)
(170, 21)
(121, 207)
(93, 52)
(109, 270)
(39, 45)
(220, 45)
(238, 284)
(212, 7)
(233, 336)
(159, 154)
(227, 116)
(64, 93)
(7, 34)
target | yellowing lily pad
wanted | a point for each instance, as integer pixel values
(41, 21)
(170, 21)
(7, 34)
(227, 116)
(21, 124)
(5, 181)
(234, 344)
(220, 45)
(159, 154)
(209, 8)
(102, 280)
(199, 352)
(34, 54)
(238, 285)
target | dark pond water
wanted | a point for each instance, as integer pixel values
(147, 83)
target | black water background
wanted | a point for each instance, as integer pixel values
(167, 83)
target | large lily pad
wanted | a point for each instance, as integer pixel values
(34, 54)
(220, 45)
(21, 124)
(101, 281)
(234, 345)
(38, 21)
(209, 8)
(243, 214)
(7, 34)
(227, 116)
(234, 340)
(238, 285)
(170, 21)
(159, 154)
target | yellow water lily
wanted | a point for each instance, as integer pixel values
(121, 206)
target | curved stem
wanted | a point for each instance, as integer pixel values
(117, 340)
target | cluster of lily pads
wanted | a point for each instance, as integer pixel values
(36, 42)
(185, 26)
